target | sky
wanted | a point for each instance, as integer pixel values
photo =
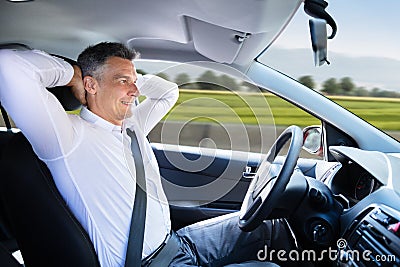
(366, 47)
(365, 28)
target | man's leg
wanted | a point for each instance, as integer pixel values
(219, 241)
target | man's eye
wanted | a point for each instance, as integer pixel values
(123, 81)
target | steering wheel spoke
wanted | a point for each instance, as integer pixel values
(269, 183)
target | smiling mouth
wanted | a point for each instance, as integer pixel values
(127, 102)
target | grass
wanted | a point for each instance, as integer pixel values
(231, 107)
(383, 113)
(247, 108)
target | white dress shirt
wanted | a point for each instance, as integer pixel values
(90, 158)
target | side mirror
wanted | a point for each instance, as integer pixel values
(312, 137)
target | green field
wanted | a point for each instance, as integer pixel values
(249, 108)
(384, 113)
(257, 108)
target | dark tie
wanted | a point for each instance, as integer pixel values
(136, 233)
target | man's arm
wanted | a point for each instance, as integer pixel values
(24, 76)
(161, 95)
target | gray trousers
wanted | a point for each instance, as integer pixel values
(220, 242)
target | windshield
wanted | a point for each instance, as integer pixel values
(364, 56)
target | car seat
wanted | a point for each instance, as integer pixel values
(46, 231)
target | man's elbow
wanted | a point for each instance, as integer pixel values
(171, 92)
(7, 57)
(9, 62)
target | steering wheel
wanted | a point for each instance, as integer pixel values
(265, 188)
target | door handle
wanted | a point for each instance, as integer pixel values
(249, 172)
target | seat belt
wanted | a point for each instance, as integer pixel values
(5, 118)
(136, 233)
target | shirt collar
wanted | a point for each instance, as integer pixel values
(92, 118)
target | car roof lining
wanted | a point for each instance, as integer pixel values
(45, 25)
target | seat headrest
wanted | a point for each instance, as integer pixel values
(66, 98)
(64, 93)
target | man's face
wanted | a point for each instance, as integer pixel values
(116, 90)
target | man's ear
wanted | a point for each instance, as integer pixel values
(90, 84)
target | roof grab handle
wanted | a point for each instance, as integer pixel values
(316, 9)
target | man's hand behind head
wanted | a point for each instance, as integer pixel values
(76, 85)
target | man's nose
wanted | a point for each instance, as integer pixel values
(133, 90)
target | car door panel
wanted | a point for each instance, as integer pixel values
(204, 183)
(201, 184)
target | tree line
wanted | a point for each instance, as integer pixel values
(345, 86)
(209, 80)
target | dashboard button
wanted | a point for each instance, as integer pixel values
(380, 217)
(395, 228)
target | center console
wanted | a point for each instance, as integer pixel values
(373, 239)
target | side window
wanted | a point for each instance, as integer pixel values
(229, 120)
(218, 111)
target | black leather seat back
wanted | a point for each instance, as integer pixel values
(46, 231)
(5, 235)
(6, 259)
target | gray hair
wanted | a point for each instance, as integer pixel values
(93, 58)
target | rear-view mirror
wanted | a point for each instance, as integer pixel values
(319, 40)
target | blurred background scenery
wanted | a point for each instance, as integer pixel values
(363, 75)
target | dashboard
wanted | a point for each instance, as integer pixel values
(369, 183)
(353, 182)
(358, 173)
(373, 239)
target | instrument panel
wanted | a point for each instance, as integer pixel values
(353, 182)
(365, 185)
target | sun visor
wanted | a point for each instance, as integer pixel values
(160, 49)
(215, 42)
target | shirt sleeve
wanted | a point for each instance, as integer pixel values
(161, 95)
(24, 76)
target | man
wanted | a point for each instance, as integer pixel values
(87, 157)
